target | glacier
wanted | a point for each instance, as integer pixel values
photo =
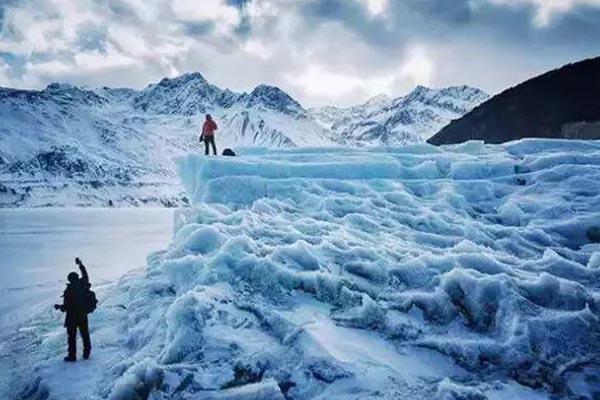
(469, 271)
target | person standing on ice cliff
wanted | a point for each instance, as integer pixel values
(208, 134)
(78, 302)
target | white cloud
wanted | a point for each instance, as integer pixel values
(4, 79)
(96, 60)
(318, 59)
(261, 9)
(376, 7)
(39, 26)
(318, 81)
(40, 73)
(257, 48)
(279, 51)
(548, 10)
(418, 66)
(32, 31)
(224, 16)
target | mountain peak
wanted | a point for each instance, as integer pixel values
(187, 94)
(462, 89)
(191, 77)
(58, 86)
(72, 93)
(274, 98)
(419, 91)
(455, 97)
(267, 90)
(378, 99)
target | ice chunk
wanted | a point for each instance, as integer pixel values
(511, 214)
(267, 390)
(449, 390)
(138, 381)
(594, 261)
(298, 255)
(185, 321)
(204, 240)
(368, 315)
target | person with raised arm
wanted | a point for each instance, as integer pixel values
(78, 302)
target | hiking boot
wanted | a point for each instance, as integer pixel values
(86, 354)
(70, 359)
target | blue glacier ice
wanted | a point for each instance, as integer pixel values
(468, 271)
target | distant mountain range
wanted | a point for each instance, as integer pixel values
(393, 122)
(563, 103)
(69, 145)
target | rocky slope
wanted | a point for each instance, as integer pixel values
(559, 104)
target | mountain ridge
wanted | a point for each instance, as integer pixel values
(80, 146)
(397, 121)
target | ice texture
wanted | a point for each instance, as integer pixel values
(417, 272)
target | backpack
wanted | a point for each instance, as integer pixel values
(91, 302)
(228, 152)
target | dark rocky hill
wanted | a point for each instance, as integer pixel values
(563, 103)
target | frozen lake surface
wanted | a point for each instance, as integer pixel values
(38, 247)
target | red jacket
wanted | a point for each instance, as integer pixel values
(209, 128)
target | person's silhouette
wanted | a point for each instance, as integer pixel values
(208, 134)
(75, 305)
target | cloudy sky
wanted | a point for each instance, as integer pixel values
(319, 51)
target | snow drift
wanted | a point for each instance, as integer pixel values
(468, 271)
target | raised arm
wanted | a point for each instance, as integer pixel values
(84, 275)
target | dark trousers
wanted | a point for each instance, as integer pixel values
(85, 337)
(211, 140)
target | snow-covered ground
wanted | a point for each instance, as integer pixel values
(38, 247)
(460, 272)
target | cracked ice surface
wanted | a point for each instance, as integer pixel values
(462, 271)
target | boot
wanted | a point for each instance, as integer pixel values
(70, 359)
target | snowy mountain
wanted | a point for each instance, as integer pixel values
(454, 272)
(392, 122)
(68, 145)
(328, 116)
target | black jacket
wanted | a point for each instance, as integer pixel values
(74, 300)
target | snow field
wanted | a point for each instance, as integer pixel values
(465, 271)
